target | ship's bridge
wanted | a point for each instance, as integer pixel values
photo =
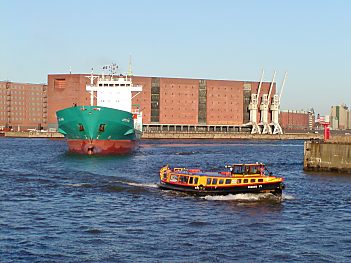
(114, 92)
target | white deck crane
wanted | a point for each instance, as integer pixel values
(264, 109)
(253, 106)
(275, 107)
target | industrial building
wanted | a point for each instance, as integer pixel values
(166, 103)
(340, 117)
(297, 120)
(23, 106)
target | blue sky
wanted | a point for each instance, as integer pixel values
(186, 38)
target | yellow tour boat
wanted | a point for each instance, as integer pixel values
(239, 178)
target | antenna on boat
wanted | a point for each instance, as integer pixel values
(113, 69)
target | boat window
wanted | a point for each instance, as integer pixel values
(246, 180)
(196, 180)
(100, 85)
(253, 180)
(260, 180)
(183, 179)
(174, 178)
(209, 180)
(81, 127)
(254, 169)
(221, 181)
(123, 85)
(191, 180)
(227, 181)
(102, 127)
(128, 85)
(105, 84)
(238, 169)
(214, 181)
(111, 85)
(238, 181)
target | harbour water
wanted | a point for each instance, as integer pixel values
(58, 207)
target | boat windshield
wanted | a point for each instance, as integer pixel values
(248, 169)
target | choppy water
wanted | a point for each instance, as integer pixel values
(57, 207)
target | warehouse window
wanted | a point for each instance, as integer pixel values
(60, 83)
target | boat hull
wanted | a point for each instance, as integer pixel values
(98, 130)
(273, 188)
(102, 147)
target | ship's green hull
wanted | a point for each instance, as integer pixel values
(98, 130)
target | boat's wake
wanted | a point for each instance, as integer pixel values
(248, 197)
(137, 184)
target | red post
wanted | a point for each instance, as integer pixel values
(326, 131)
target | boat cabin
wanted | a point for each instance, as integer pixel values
(247, 169)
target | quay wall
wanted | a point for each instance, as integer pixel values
(186, 135)
(33, 134)
(328, 156)
(228, 135)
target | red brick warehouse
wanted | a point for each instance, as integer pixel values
(168, 100)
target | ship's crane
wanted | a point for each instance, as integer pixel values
(275, 106)
(264, 109)
(253, 106)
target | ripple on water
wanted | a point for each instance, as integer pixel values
(58, 207)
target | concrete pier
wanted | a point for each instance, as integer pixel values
(329, 156)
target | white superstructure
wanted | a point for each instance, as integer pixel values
(115, 92)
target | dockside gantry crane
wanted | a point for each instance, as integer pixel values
(253, 107)
(264, 107)
(275, 107)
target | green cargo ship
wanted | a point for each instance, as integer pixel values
(110, 126)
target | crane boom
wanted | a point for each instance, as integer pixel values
(259, 86)
(283, 84)
(271, 86)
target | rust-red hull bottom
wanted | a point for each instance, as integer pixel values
(102, 147)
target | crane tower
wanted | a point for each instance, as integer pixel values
(275, 106)
(253, 106)
(264, 109)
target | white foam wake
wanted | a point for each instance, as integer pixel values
(137, 184)
(288, 197)
(240, 197)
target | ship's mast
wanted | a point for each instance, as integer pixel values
(92, 77)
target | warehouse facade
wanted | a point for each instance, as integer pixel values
(163, 102)
(23, 106)
(168, 100)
